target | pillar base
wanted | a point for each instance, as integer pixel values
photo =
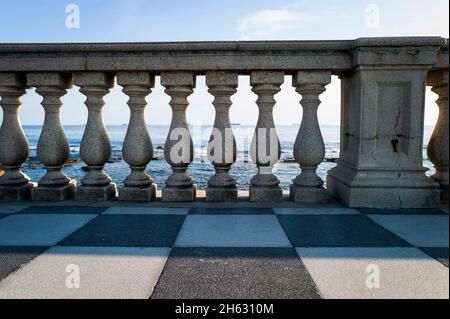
(96, 193)
(221, 194)
(176, 194)
(300, 194)
(382, 188)
(137, 194)
(44, 193)
(266, 194)
(16, 193)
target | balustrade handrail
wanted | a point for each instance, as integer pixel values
(289, 56)
(382, 110)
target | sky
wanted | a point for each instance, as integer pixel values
(44, 21)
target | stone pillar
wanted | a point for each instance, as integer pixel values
(137, 148)
(222, 145)
(95, 148)
(179, 147)
(14, 185)
(52, 149)
(438, 146)
(265, 147)
(309, 148)
(381, 158)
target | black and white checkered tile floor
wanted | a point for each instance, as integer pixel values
(137, 252)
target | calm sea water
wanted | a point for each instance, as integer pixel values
(200, 169)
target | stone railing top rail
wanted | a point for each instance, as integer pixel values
(336, 56)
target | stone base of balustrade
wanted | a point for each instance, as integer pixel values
(300, 194)
(176, 194)
(224, 194)
(16, 193)
(137, 194)
(378, 190)
(265, 194)
(96, 193)
(44, 193)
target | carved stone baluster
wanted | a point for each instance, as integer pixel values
(265, 147)
(14, 185)
(95, 148)
(179, 147)
(52, 150)
(137, 147)
(309, 148)
(438, 145)
(222, 145)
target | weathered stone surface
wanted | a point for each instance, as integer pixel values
(14, 185)
(16, 193)
(172, 194)
(309, 147)
(222, 144)
(95, 147)
(96, 193)
(224, 194)
(266, 194)
(437, 150)
(137, 194)
(137, 147)
(53, 149)
(381, 163)
(179, 147)
(56, 193)
(302, 194)
(265, 141)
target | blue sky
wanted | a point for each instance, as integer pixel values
(198, 20)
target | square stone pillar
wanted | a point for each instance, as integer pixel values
(382, 120)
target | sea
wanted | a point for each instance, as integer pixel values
(200, 169)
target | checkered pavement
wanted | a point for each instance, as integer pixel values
(142, 252)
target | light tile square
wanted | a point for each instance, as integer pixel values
(232, 231)
(104, 272)
(403, 273)
(39, 230)
(418, 230)
(11, 209)
(146, 211)
(316, 211)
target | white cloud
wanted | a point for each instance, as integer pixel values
(268, 23)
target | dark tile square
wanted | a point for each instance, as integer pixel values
(231, 211)
(337, 231)
(128, 231)
(225, 273)
(12, 258)
(63, 210)
(377, 211)
(438, 253)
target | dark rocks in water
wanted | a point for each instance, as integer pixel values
(288, 161)
(115, 159)
(159, 148)
(85, 168)
(331, 160)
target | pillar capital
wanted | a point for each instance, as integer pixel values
(174, 78)
(100, 79)
(136, 79)
(266, 77)
(51, 79)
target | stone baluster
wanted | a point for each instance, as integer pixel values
(14, 185)
(95, 147)
(179, 147)
(265, 147)
(52, 149)
(309, 147)
(222, 145)
(137, 148)
(438, 151)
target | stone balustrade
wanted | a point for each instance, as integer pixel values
(383, 85)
